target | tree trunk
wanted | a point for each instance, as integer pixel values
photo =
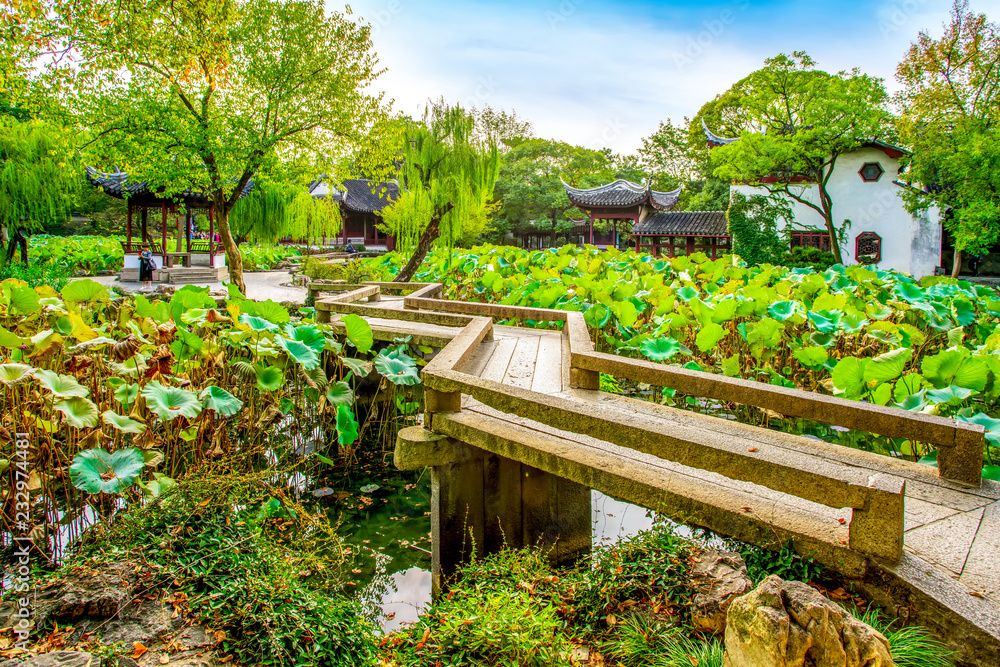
(424, 245)
(827, 206)
(234, 261)
(18, 239)
(956, 269)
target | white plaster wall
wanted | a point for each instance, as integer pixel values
(131, 262)
(909, 244)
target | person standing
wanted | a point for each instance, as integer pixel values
(146, 266)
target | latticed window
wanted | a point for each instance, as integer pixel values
(871, 172)
(868, 248)
(819, 240)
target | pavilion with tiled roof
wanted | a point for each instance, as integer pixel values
(141, 198)
(361, 204)
(656, 227)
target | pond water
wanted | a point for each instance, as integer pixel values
(388, 530)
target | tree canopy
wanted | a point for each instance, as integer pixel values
(794, 122)
(950, 97)
(530, 188)
(209, 94)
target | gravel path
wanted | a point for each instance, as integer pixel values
(261, 285)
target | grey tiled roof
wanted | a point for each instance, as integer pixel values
(117, 184)
(683, 223)
(713, 138)
(357, 194)
(621, 194)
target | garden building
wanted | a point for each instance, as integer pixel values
(361, 204)
(187, 258)
(864, 189)
(654, 227)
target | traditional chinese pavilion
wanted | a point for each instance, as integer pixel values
(190, 259)
(655, 227)
(361, 204)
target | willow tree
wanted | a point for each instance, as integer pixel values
(38, 180)
(210, 94)
(274, 211)
(951, 117)
(447, 175)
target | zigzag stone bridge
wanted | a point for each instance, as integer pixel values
(517, 433)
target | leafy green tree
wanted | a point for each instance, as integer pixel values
(39, 179)
(280, 210)
(209, 94)
(753, 225)
(448, 174)
(530, 185)
(951, 108)
(794, 122)
(667, 157)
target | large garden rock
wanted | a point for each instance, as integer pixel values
(718, 577)
(788, 624)
(95, 593)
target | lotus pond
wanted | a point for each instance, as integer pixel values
(865, 334)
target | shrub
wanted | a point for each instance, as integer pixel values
(37, 274)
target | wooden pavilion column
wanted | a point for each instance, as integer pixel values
(211, 235)
(177, 225)
(163, 236)
(143, 219)
(128, 228)
(590, 216)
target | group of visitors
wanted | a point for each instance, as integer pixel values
(204, 236)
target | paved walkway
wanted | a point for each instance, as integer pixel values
(261, 285)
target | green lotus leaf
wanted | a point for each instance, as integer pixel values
(4, 465)
(853, 322)
(825, 321)
(78, 411)
(220, 400)
(126, 393)
(308, 335)
(347, 426)
(909, 293)
(169, 403)
(398, 369)
(23, 299)
(849, 376)
(269, 378)
(300, 352)
(956, 367)
(783, 310)
(61, 386)
(152, 457)
(359, 332)
(950, 395)
(11, 340)
(992, 425)
(189, 434)
(158, 486)
(188, 297)
(659, 349)
(99, 471)
(195, 316)
(159, 311)
(85, 290)
(914, 402)
(123, 424)
(811, 356)
(888, 366)
(340, 394)
(625, 312)
(269, 310)
(687, 293)
(823, 339)
(963, 312)
(991, 472)
(188, 345)
(257, 324)
(710, 336)
(14, 374)
(597, 315)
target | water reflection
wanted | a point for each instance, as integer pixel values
(398, 592)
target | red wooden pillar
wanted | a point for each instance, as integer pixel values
(211, 235)
(163, 235)
(128, 229)
(690, 245)
(637, 244)
(591, 217)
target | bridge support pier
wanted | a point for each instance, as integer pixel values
(482, 503)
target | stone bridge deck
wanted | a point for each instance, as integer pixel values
(950, 564)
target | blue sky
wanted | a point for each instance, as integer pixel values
(599, 73)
